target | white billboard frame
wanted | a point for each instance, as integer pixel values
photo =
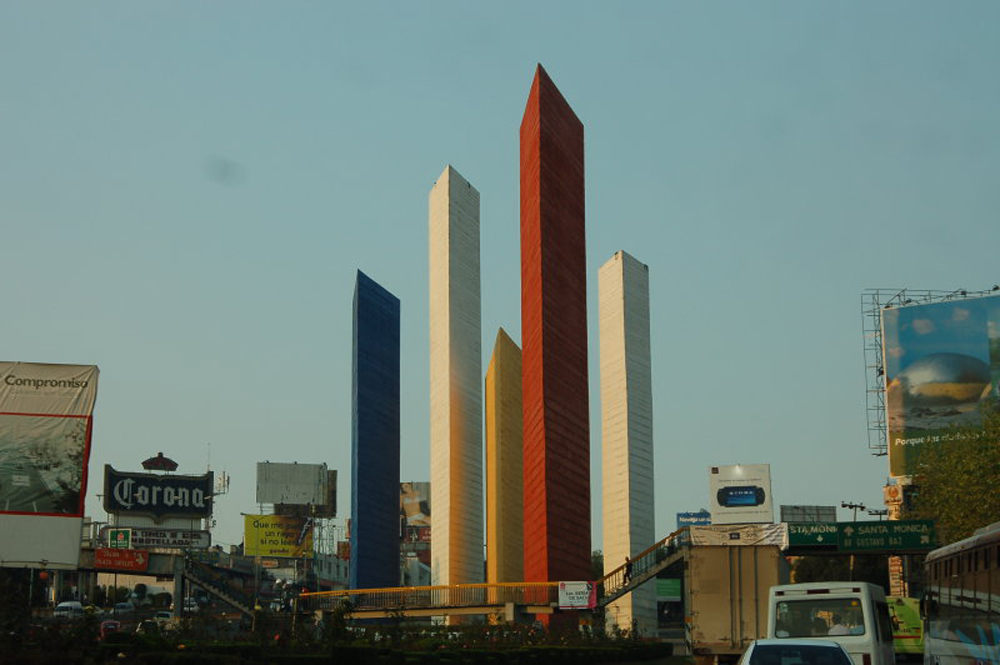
(741, 494)
(292, 483)
(47, 421)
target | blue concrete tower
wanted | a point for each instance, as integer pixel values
(375, 438)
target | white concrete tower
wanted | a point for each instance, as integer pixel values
(456, 383)
(627, 430)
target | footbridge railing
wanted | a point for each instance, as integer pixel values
(643, 567)
(456, 595)
(615, 584)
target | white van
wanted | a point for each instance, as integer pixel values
(853, 614)
(69, 609)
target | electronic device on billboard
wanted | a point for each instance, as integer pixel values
(738, 497)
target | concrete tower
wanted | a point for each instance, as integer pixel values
(504, 470)
(375, 438)
(627, 430)
(456, 389)
(554, 339)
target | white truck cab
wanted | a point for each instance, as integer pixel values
(853, 614)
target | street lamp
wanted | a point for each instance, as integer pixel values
(853, 506)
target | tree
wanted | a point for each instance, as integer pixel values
(957, 477)
(836, 568)
(596, 564)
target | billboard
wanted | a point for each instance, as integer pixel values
(133, 561)
(149, 538)
(942, 369)
(737, 535)
(415, 519)
(577, 595)
(294, 483)
(741, 494)
(808, 513)
(157, 496)
(46, 420)
(278, 536)
(700, 518)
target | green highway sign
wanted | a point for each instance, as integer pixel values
(890, 535)
(812, 534)
(887, 535)
(120, 538)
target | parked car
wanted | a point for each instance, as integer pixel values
(109, 626)
(800, 651)
(148, 627)
(124, 608)
(69, 609)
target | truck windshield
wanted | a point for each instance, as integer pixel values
(819, 617)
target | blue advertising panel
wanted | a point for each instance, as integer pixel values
(700, 518)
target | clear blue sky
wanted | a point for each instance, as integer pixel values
(187, 189)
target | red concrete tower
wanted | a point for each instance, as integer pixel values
(554, 338)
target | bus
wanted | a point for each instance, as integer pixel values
(853, 614)
(961, 605)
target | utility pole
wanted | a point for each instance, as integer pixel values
(855, 507)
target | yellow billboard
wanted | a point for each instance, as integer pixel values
(278, 536)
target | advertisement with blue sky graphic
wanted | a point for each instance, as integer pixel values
(942, 364)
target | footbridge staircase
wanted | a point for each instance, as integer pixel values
(217, 584)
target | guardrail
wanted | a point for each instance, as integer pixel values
(456, 595)
(644, 565)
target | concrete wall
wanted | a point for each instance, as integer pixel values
(456, 389)
(504, 468)
(554, 339)
(627, 430)
(375, 438)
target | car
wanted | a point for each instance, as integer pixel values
(163, 617)
(788, 651)
(109, 626)
(69, 609)
(147, 627)
(123, 608)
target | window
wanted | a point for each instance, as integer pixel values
(883, 621)
(773, 654)
(819, 617)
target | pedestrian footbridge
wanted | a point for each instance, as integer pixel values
(509, 600)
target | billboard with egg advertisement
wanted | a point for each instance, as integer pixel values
(942, 373)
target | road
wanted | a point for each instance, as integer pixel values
(22, 489)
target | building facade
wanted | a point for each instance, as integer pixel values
(554, 339)
(374, 561)
(504, 468)
(456, 389)
(627, 431)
